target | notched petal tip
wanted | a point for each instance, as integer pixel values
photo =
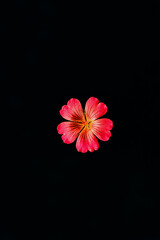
(63, 111)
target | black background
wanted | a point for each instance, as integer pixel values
(63, 49)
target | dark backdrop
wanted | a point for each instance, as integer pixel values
(63, 49)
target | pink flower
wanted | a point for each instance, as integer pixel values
(85, 126)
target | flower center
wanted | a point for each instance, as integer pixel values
(87, 124)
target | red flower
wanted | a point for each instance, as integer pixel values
(85, 125)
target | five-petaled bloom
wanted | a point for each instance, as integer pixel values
(85, 125)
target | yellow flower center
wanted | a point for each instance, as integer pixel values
(86, 123)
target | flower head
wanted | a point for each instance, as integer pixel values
(85, 126)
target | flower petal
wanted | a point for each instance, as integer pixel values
(86, 141)
(70, 131)
(73, 110)
(94, 109)
(101, 127)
